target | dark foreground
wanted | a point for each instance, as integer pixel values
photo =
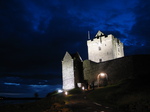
(80, 103)
(126, 96)
(76, 101)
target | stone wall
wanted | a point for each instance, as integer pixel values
(78, 71)
(117, 69)
(72, 71)
(68, 72)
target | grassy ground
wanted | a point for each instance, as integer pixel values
(128, 95)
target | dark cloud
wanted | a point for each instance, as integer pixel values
(12, 90)
(35, 34)
(140, 30)
(142, 24)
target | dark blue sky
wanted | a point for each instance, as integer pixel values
(35, 34)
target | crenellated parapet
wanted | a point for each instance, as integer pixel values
(104, 48)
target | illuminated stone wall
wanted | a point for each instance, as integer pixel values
(72, 71)
(68, 72)
(118, 69)
(103, 48)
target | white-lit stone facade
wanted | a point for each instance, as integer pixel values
(68, 72)
(104, 48)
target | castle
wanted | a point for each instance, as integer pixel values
(75, 71)
(104, 48)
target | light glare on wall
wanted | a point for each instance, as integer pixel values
(102, 74)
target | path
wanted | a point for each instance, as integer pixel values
(79, 103)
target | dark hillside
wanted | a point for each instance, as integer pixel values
(132, 95)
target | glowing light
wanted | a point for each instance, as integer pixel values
(66, 93)
(60, 91)
(83, 88)
(102, 74)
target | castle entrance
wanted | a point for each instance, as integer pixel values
(102, 79)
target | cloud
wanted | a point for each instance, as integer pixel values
(8, 83)
(140, 30)
(19, 87)
(27, 90)
(41, 79)
(142, 25)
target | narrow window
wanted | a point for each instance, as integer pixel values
(99, 48)
(100, 60)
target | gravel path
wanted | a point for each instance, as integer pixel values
(79, 103)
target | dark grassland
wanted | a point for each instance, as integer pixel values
(132, 95)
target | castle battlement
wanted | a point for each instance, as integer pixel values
(102, 39)
(103, 48)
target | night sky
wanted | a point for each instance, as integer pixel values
(35, 34)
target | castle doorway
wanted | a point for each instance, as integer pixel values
(102, 79)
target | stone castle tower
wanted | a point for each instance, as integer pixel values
(72, 71)
(101, 48)
(104, 48)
